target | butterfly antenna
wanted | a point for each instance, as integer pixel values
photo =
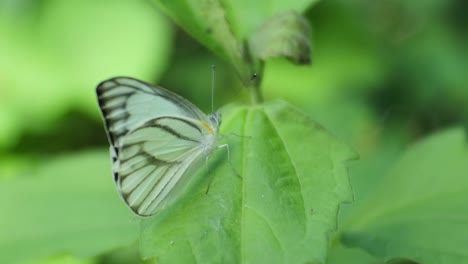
(212, 86)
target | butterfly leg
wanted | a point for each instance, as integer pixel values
(206, 164)
(227, 149)
(234, 134)
(229, 158)
(207, 171)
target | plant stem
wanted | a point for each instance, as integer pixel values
(256, 95)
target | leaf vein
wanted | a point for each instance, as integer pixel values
(294, 168)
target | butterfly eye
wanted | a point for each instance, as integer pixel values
(215, 118)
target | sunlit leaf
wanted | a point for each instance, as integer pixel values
(53, 54)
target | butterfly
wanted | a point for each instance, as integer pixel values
(157, 140)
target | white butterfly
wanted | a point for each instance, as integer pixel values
(157, 139)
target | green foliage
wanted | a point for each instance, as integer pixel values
(340, 254)
(226, 27)
(286, 34)
(418, 209)
(68, 206)
(385, 74)
(206, 20)
(284, 201)
(53, 56)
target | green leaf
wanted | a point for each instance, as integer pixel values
(69, 205)
(343, 255)
(285, 34)
(346, 63)
(65, 259)
(206, 20)
(224, 26)
(276, 204)
(247, 16)
(418, 210)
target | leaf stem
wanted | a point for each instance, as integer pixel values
(256, 95)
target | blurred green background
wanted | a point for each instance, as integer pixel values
(384, 74)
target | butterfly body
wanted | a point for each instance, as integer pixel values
(157, 139)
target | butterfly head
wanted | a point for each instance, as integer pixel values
(215, 119)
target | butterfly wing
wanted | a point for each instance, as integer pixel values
(127, 103)
(156, 137)
(155, 159)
